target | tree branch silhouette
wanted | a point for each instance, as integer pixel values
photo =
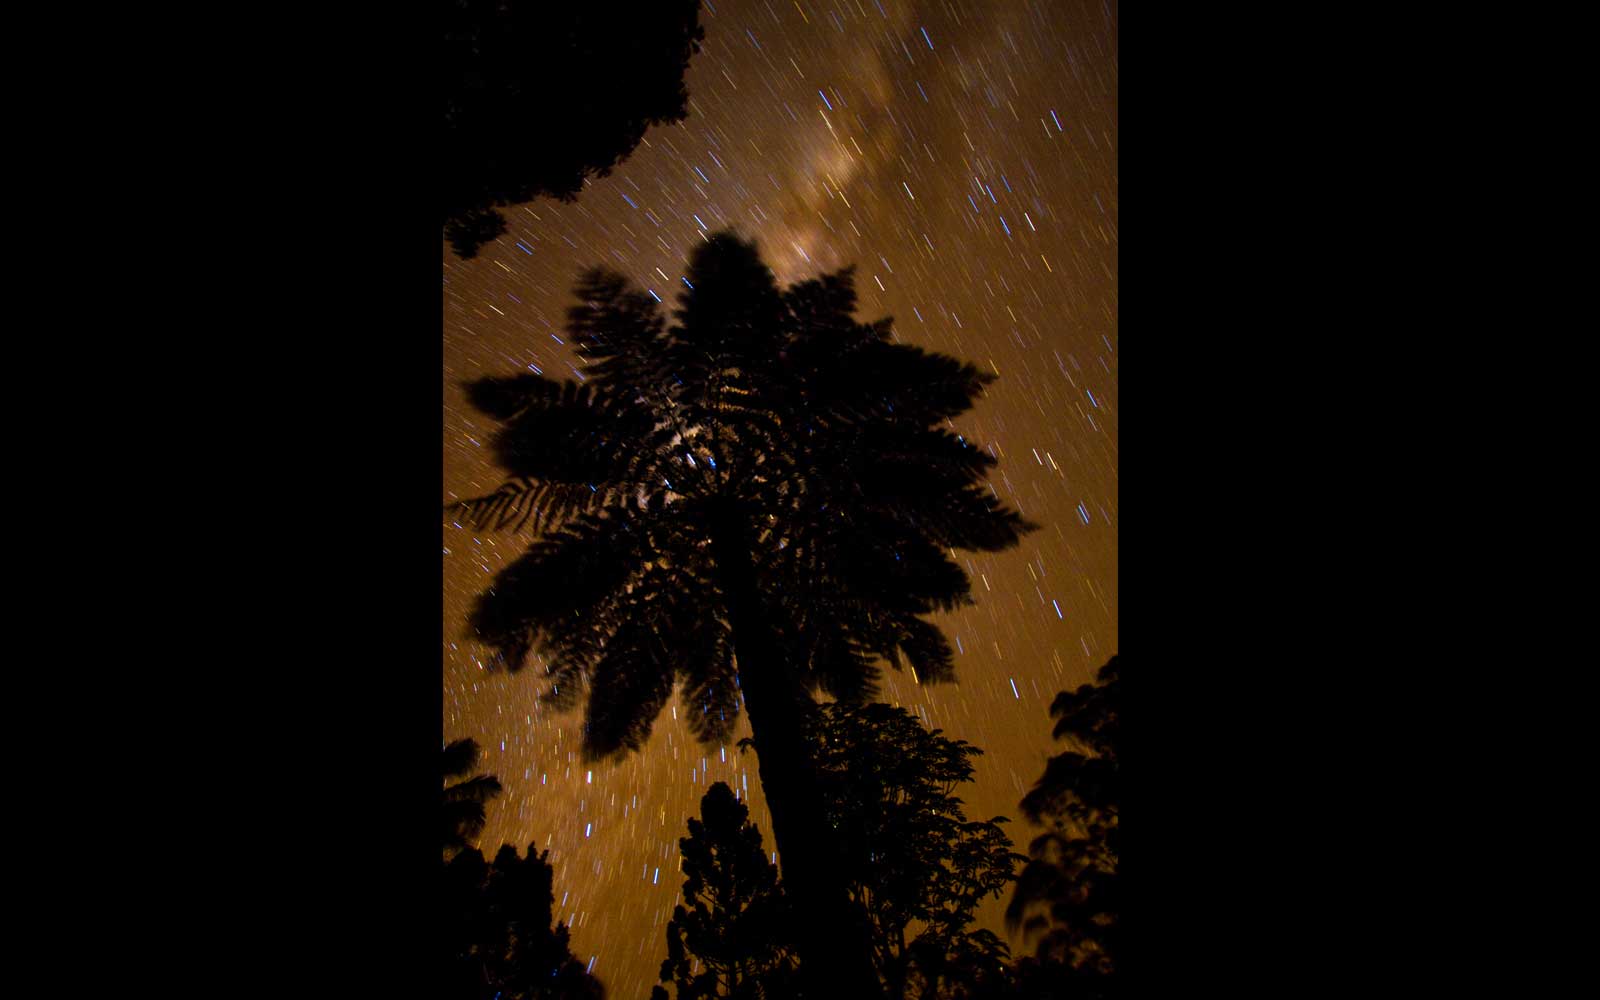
(541, 97)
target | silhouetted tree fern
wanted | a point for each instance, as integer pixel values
(498, 931)
(910, 856)
(539, 97)
(730, 936)
(1068, 896)
(464, 801)
(757, 501)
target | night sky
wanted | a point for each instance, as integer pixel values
(963, 156)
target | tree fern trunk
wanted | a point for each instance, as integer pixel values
(831, 934)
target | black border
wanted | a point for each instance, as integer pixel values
(307, 259)
(1252, 166)
(310, 268)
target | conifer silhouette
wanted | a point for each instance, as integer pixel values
(730, 936)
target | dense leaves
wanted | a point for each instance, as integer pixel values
(1067, 898)
(498, 934)
(539, 97)
(772, 409)
(913, 862)
(463, 803)
(731, 936)
(912, 859)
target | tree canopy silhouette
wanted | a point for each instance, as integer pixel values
(464, 801)
(758, 501)
(541, 96)
(730, 937)
(498, 933)
(1068, 896)
(911, 857)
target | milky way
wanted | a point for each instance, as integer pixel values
(963, 157)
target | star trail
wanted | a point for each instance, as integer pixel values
(963, 157)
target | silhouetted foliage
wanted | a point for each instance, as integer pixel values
(1068, 896)
(763, 481)
(910, 856)
(540, 96)
(498, 932)
(774, 410)
(730, 939)
(464, 800)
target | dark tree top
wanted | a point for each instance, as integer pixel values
(1068, 898)
(541, 96)
(730, 937)
(818, 446)
(914, 861)
(464, 801)
(497, 933)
